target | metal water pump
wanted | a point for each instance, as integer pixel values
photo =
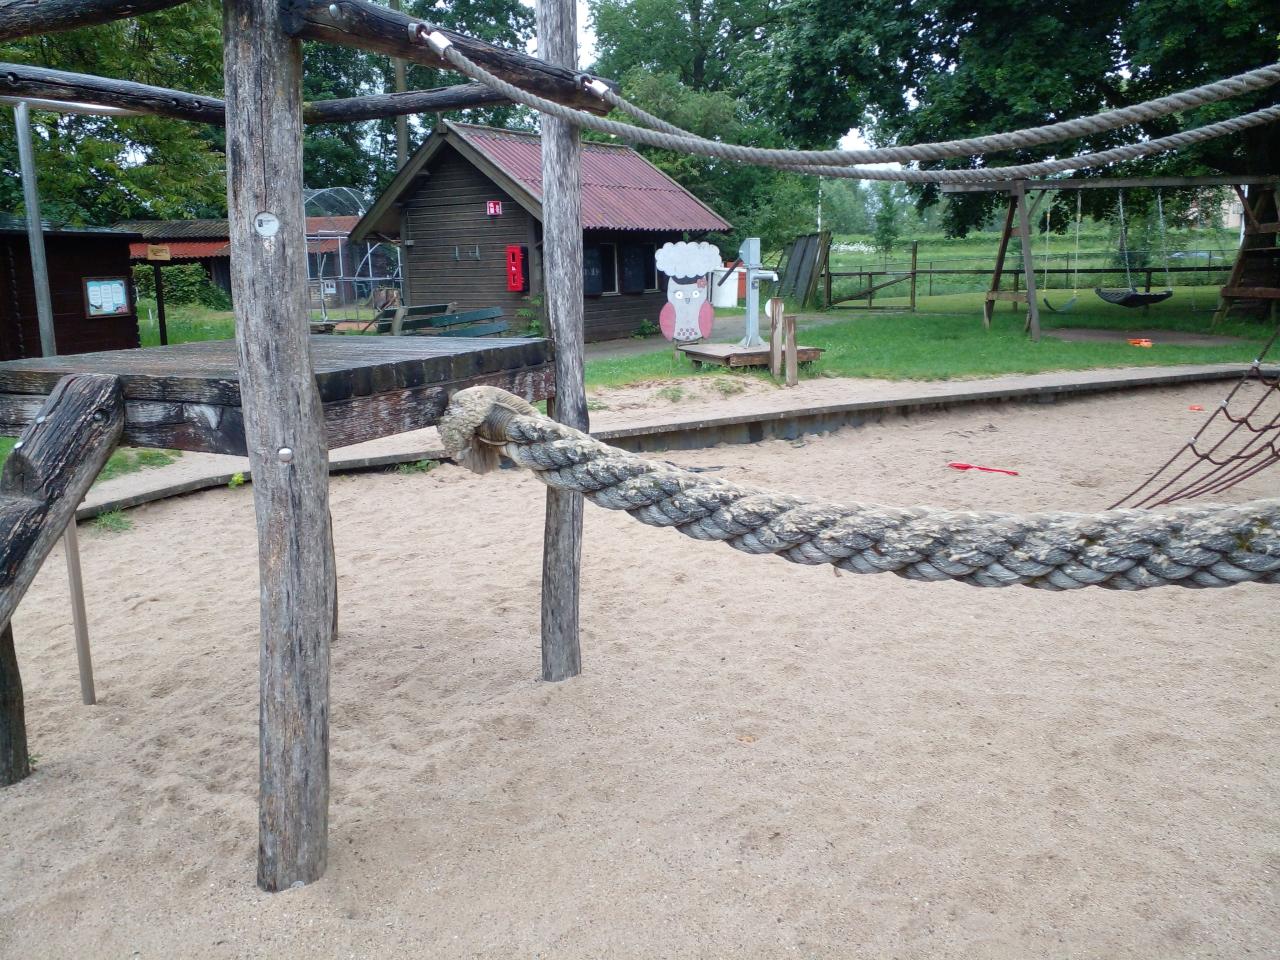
(749, 257)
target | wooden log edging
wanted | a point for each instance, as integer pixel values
(743, 428)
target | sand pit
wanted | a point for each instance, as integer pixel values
(761, 759)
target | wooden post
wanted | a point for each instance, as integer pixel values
(793, 355)
(1028, 263)
(284, 433)
(158, 276)
(562, 261)
(915, 260)
(990, 304)
(15, 762)
(43, 481)
(774, 308)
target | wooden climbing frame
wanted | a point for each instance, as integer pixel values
(281, 395)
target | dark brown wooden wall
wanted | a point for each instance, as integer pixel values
(610, 316)
(447, 210)
(71, 259)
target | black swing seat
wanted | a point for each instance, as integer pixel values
(1132, 298)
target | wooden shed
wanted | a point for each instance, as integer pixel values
(90, 285)
(467, 211)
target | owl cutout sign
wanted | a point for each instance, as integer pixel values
(688, 314)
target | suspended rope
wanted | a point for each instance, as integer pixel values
(1130, 296)
(669, 137)
(1214, 546)
(1075, 270)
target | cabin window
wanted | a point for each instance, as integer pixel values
(639, 271)
(608, 268)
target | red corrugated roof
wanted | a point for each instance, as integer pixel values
(167, 231)
(185, 249)
(621, 190)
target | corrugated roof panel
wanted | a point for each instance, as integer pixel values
(184, 249)
(167, 230)
(621, 190)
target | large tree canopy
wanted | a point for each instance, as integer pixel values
(102, 169)
(911, 72)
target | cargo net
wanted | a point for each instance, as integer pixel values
(1239, 440)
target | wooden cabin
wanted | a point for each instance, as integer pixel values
(90, 286)
(467, 211)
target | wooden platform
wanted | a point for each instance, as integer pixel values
(187, 396)
(732, 355)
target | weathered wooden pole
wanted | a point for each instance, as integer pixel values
(284, 433)
(562, 261)
(1028, 260)
(157, 276)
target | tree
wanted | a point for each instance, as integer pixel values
(702, 64)
(844, 207)
(103, 169)
(886, 218)
(912, 72)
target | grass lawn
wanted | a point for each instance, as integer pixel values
(185, 323)
(945, 339)
(124, 460)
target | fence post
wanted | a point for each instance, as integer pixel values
(915, 253)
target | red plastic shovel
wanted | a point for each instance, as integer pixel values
(973, 466)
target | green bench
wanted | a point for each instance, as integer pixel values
(435, 320)
(485, 322)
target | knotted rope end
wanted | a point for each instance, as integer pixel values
(471, 427)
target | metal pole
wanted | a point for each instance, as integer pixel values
(35, 231)
(49, 348)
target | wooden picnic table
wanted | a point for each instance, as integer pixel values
(187, 396)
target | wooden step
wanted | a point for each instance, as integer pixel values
(1017, 296)
(1251, 293)
(1252, 230)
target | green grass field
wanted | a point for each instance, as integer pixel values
(945, 339)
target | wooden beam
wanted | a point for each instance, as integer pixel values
(1110, 183)
(463, 96)
(43, 481)
(26, 18)
(284, 432)
(20, 81)
(1005, 234)
(1028, 260)
(562, 259)
(367, 26)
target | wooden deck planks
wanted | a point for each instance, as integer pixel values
(187, 396)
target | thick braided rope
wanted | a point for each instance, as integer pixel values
(1203, 546)
(688, 143)
(1101, 158)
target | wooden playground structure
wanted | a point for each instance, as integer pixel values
(284, 396)
(279, 393)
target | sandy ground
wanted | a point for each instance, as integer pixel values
(760, 759)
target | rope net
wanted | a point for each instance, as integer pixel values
(1238, 440)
